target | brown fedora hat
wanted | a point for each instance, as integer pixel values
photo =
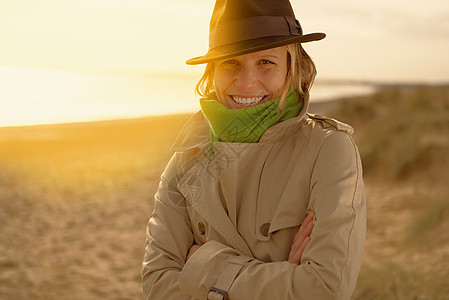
(240, 27)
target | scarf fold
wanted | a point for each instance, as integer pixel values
(246, 125)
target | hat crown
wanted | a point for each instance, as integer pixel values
(240, 27)
(230, 10)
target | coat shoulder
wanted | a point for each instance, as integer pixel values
(194, 134)
(327, 123)
(317, 128)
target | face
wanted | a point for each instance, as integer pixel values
(251, 79)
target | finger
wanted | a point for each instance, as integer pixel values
(304, 230)
(302, 248)
(296, 256)
(192, 250)
(305, 223)
(301, 235)
(298, 248)
(308, 219)
(310, 216)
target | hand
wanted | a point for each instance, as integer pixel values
(301, 240)
(192, 250)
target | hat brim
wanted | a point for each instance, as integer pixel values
(254, 45)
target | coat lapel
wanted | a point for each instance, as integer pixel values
(200, 188)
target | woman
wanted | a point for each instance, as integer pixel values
(260, 200)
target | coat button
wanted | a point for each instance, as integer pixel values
(201, 228)
(264, 229)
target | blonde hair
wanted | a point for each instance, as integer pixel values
(300, 75)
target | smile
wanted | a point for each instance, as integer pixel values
(248, 101)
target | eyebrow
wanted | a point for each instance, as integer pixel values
(268, 56)
(260, 56)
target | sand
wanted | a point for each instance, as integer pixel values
(74, 203)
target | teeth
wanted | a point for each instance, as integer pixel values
(247, 101)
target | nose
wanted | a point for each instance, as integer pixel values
(246, 78)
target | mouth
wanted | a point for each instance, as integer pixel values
(241, 101)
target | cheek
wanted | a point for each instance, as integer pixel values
(220, 96)
(221, 82)
(222, 79)
(275, 83)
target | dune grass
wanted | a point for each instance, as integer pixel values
(401, 131)
(430, 227)
(391, 280)
(403, 136)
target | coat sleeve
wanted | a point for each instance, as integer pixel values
(330, 263)
(168, 239)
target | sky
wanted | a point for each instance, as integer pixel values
(380, 40)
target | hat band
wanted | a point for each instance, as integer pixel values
(253, 28)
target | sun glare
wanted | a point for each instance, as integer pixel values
(31, 96)
(146, 37)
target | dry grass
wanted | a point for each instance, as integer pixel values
(75, 199)
(403, 137)
(402, 131)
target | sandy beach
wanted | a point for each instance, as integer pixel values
(75, 199)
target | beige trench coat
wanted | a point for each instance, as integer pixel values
(244, 203)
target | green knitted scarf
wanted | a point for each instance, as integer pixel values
(246, 125)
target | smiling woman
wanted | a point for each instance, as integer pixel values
(261, 200)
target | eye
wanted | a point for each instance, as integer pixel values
(266, 62)
(230, 62)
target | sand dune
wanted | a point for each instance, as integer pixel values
(75, 199)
